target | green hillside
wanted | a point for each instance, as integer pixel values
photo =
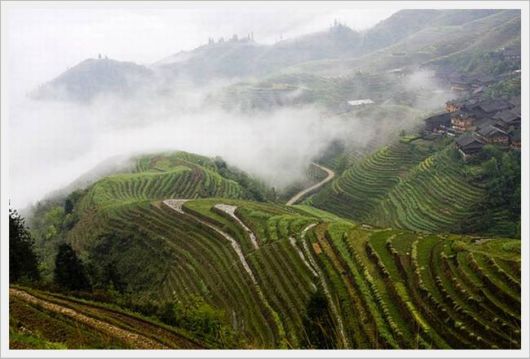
(263, 264)
(418, 185)
(43, 320)
(80, 217)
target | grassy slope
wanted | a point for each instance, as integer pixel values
(370, 281)
(421, 185)
(84, 325)
(154, 177)
(373, 277)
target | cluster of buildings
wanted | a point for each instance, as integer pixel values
(476, 123)
(234, 38)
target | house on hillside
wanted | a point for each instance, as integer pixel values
(360, 102)
(512, 54)
(469, 105)
(493, 135)
(439, 123)
(468, 146)
(453, 106)
(490, 107)
(463, 121)
(516, 139)
(398, 72)
(459, 84)
(507, 119)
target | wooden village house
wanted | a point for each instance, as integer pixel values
(453, 106)
(507, 120)
(468, 146)
(438, 124)
(516, 139)
(462, 122)
(493, 135)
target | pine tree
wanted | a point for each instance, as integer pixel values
(23, 262)
(70, 272)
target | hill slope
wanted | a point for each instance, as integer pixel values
(40, 319)
(407, 38)
(81, 216)
(418, 185)
(94, 77)
(264, 264)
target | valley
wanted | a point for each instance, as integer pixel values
(389, 217)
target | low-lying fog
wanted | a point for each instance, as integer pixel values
(54, 143)
(51, 144)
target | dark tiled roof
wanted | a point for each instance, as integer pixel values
(492, 106)
(485, 122)
(440, 118)
(456, 102)
(489, 131)
(507, 116)
(466, 141)
(516, 135)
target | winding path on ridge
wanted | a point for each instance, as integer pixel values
(231, 211)
(301, 194)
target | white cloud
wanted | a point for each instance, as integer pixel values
(52, 144)
(43, 41)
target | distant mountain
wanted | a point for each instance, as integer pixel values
(239, 58)
(95, 76)
(450, 39)
(407, 22)
(225, 59)
(408, 38)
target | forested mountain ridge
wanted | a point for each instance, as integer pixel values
(400, 38)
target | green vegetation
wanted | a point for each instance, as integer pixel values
(298, 276)
(23, 262)
(425, 186)
(500, 211)
(40, 319)
(381, 288)
(409, 247)
(318, 323)
(69, 270)
(505, 89)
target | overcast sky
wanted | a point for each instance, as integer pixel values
(44, 40)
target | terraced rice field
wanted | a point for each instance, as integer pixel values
(402, 187)
(386, 288)
(261, 263)
(65, 322)
(359, 189)
(164, 176)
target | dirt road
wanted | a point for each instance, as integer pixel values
(231, 211)
(308, 190)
